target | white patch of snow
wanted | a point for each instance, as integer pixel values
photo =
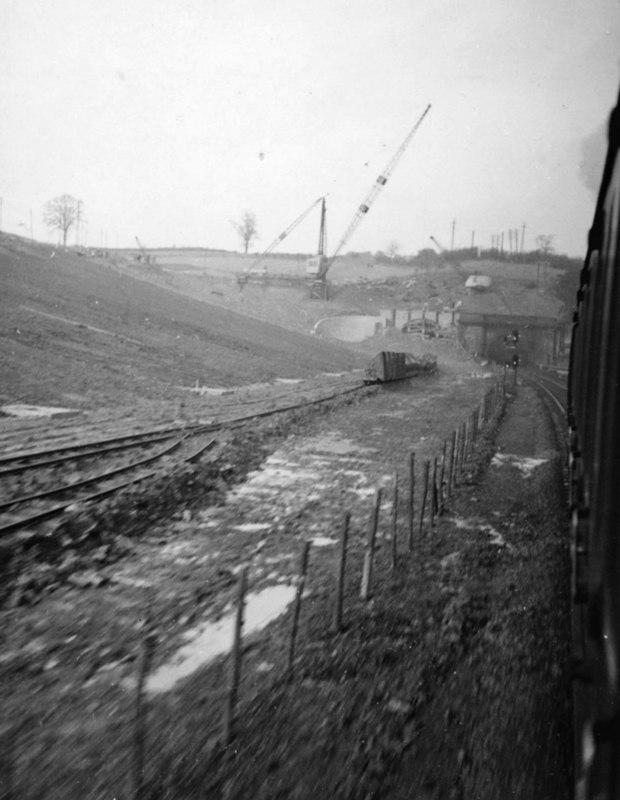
(252, 527)
(323, 541)
(524, 464)
(215, 638)
(475, 525)
(23, 410)
(214, 390)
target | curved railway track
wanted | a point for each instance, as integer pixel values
(38, 459)
(553, 393)
(24, 463)
(553, 390)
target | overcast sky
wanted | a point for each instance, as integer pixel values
(169, 118)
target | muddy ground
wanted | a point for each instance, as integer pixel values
(451, 681)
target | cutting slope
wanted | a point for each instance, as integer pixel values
(80, 331)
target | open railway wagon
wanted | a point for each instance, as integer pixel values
(388, 366)
(594, 480)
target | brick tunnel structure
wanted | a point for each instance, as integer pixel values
(541, 340)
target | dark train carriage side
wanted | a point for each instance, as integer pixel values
(594, 461)
(388, 366)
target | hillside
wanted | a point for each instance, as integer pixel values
(83, 332)
(358, 284)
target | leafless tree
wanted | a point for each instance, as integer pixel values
(246, 229)
(544, 243)
(61, 213)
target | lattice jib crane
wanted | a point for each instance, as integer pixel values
(286, 232)
(144, 256)
(315, 265)
(449, 256)
(377, 186)
(318, 268)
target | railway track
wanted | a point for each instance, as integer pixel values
(51, 457)
(28, 509)
(553, 392)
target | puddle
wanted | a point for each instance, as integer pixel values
(524, 464)
(208, 641)
(20, 410)
(252, 527)
(335, 445)
(323, 541)
(292, 479)
(289, 380)
(275, 478)
(289, 476)
(209, 390)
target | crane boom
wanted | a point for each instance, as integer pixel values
(144, 256)
(285, 233)
(376, 187)
(448, 255)
(439, 246)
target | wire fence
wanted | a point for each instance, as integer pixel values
(422, 493)
(441, 476)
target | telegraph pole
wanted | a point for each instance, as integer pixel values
(453, 227)
(522, 235)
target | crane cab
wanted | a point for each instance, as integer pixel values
(316, 266)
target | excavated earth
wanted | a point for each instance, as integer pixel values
(451, 680)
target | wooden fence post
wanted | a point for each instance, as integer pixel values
(370, 549)
(462, 454)
(344, 537)
(434, 503)
(395, 521)
(235, 666)
(453, 455)
(468, 440)
(427, 466)
(442, 476)
(411, 498)
(139, 738)
(303, 569)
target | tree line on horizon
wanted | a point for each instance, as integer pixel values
(64, 212)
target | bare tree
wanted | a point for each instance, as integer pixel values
(246, 229)
(61, 213)
(544, 243)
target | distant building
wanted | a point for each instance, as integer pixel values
(486, 322)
